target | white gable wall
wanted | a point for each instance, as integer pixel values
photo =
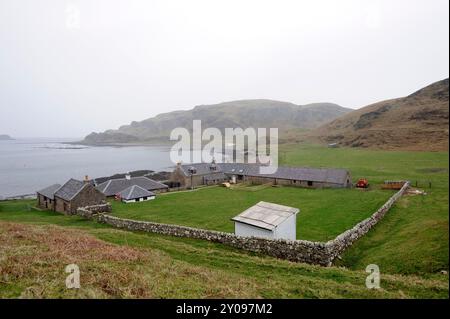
(287, 229)
(245, 230)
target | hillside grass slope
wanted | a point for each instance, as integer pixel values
(419, 121)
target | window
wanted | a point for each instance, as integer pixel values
(65, 207)
(310, 183)
(145, 198)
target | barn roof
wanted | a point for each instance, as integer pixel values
(115, 186)
(327, 175)
(49, 192)
(266, 215)
(200, 168)
(70, 189)
(134, 192)
(215, 176)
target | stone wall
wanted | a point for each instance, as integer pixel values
(298, 250)
(347, 238)
(90, 211)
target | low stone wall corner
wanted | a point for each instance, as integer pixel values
(91, 212)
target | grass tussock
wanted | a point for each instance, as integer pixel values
(34, 259)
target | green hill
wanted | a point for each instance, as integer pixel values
(245, 113)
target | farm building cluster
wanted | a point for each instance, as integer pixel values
(74, 194)
(194, 175)
(261, 220)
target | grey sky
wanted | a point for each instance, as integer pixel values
(71, 67)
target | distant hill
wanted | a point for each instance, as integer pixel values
(419, 121)
(245, 113)
(4, 137)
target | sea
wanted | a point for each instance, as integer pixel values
(28, 165)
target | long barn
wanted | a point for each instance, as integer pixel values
(193, 175)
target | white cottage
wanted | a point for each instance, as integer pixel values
(267, 220)
(135, 194)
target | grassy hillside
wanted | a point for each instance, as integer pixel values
(123, 264)
(244, 113)
(407, 123)
(413, 237)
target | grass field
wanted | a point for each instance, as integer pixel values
(121, 264)
(410, 244)
(413, 237)
(212, 208)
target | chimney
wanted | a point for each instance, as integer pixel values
(86, 178)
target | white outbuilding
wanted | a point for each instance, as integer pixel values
(135, 194)
(267, 220)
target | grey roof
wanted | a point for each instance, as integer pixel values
(134, 192)
(200, 168)
(240, 168)
(70, 189)
(49, 192)
(328, 175)
(215, 176)
(266, 215)
(115, 186)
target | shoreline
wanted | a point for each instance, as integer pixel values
(81, 143)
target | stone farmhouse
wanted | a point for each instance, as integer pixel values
(193, 175)
(69, 197)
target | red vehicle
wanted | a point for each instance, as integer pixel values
(362, 183)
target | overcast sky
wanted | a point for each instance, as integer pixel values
(71, 67)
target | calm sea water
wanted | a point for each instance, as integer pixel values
(27, 165)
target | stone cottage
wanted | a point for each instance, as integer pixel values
(46, 197)
(70, 196)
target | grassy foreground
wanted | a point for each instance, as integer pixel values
(121, 264)
(410, 244)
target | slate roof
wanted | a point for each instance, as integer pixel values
(266, 215)
(71, 188)
(328, 175)
(49, 192)
(115, 186)
(215, 176)
(135, 192)
(201, 168)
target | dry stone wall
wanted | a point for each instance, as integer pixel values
(298, 250)
(90, 211)
(318, 253)
(347, 238)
